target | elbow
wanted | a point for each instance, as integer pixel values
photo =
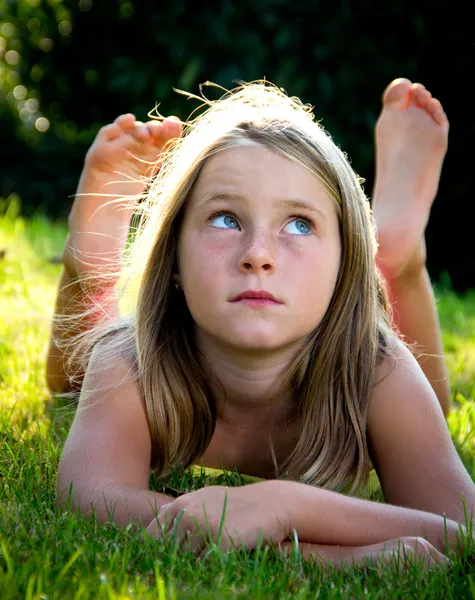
(73, 497)
(66, 495)
(89, 500)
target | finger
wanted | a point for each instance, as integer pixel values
(285, 548)
(190, 541)
(438, 558)
(187, 530)
(166, 519)
(155, 529)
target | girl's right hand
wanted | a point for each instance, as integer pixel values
(401, 553)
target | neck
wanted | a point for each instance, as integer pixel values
(246, 384)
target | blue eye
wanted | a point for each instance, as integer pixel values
(300, 227)
(225, 222)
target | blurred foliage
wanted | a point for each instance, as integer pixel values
(70, 66)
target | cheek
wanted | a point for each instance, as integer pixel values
(202, 259)
(317, 276)
(317, 265)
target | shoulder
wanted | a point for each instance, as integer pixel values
(400, 388)
(112, 375)
(113, 357)
(396, 365)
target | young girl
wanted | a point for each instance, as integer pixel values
(259, 340)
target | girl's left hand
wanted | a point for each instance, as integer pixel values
(253, 512)
(400, 553)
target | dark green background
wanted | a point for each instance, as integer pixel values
(116, 56)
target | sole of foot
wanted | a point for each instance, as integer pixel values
(411, 142)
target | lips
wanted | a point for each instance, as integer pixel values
(256, 295)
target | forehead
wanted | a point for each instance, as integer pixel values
(256, 172)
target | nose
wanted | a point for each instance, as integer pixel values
(259, 254)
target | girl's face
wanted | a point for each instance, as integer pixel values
(258, 222)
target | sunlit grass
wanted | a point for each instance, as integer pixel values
(47, 554)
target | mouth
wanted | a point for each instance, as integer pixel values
(256, 298)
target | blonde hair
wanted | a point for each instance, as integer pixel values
(333, 372)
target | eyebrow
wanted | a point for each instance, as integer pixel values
(296, 203)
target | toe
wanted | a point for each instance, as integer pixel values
(140, 132)
(434, 107)
(419, 95)
(397, 92)
(125, 122)
(154, 128)
(109, 132)
(165, 131)
(173, 127)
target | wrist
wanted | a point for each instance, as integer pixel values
(289, 495)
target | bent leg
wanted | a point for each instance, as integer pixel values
(411, 142)
(116, 171)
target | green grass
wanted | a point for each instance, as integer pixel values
(47, 554)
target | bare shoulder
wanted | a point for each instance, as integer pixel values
(109, 441)
(111, 364)
(409, 441)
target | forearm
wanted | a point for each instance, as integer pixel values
(415, 316)
(343, 555)
(120, 504)
(324, 517)
(393, 552)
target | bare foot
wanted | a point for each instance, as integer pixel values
(411, 142)
(117, 169)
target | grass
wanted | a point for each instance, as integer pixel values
(48, 554)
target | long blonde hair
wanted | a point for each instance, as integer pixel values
(333, 372)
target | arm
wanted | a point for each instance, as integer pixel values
(393, 552)
(106, 457)
(420, 471)
(328, 518)
(329, 525)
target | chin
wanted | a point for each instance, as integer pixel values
(257, 341)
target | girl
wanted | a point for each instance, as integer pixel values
(260, 342)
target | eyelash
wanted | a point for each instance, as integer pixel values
(220, 213)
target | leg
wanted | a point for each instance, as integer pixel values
(115, 174)
(411, 142)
